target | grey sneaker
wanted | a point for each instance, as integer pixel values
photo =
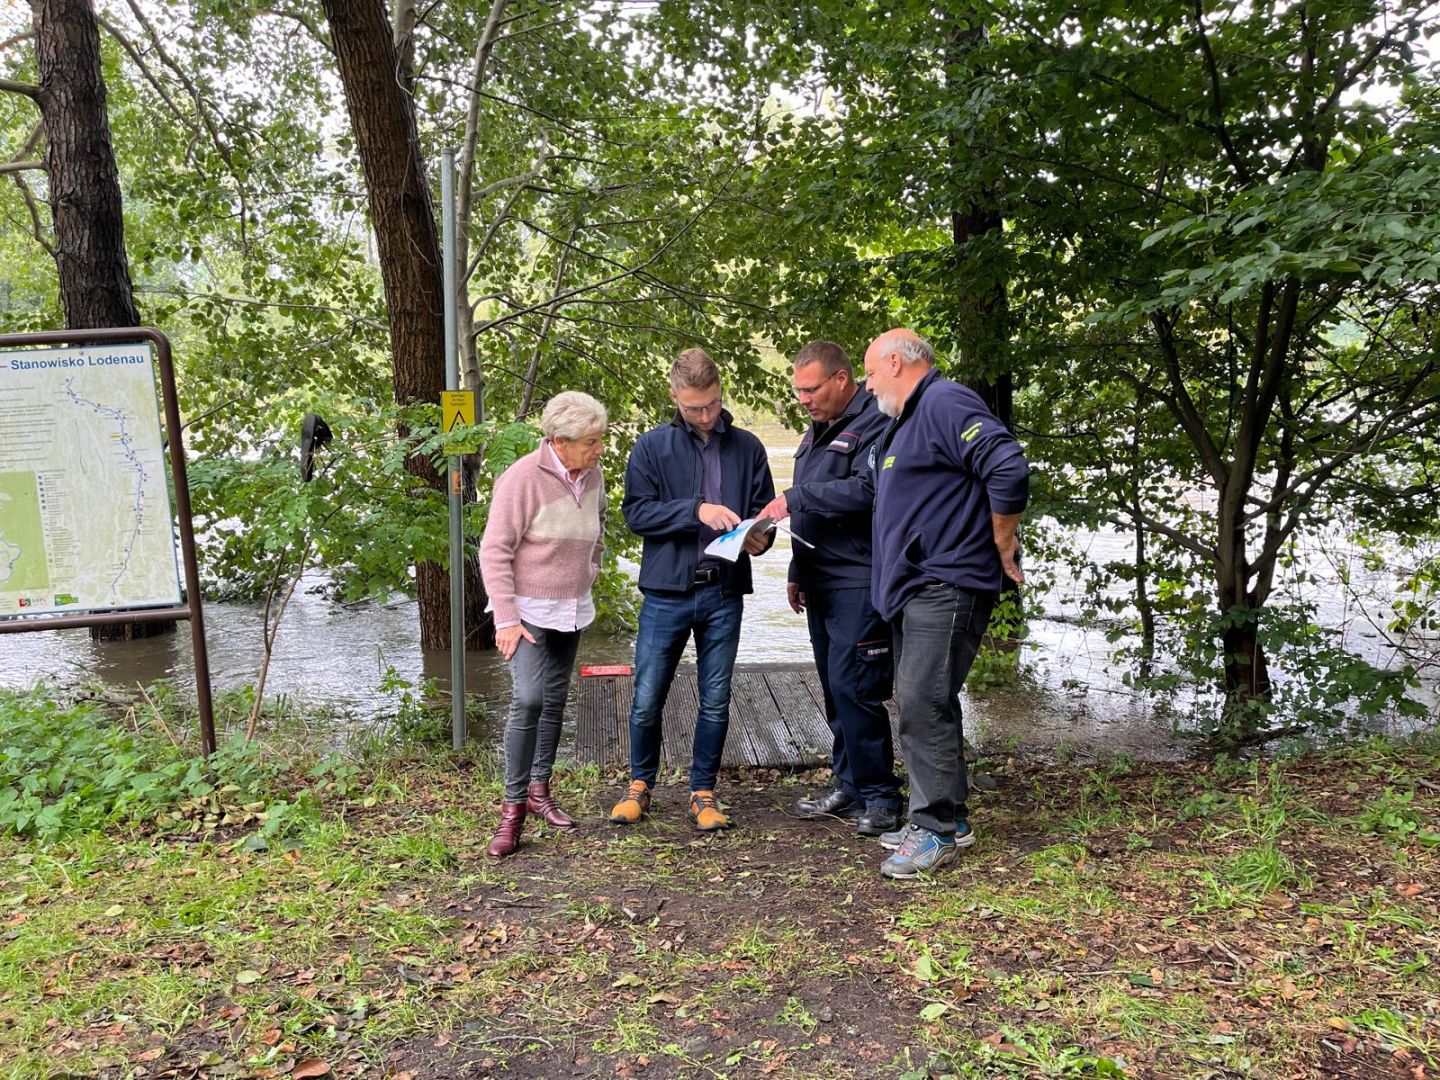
(964, 835)
(921, 852)
(892, 840)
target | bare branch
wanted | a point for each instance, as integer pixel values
(569, 294)
(500, 218)
(533, 370)
(32, 141)
(201, 108)
(1217, 101)
(149, 75)
(21, 166)
(28, 90)
(472, 122)
(1184, 540)
(309, 24)
(403, 35)
(501, 185)
(37, 227)
(1183, 407)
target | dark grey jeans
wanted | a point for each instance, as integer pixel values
(541, 676)
(936, 638)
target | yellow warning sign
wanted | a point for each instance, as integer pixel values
(457, 410)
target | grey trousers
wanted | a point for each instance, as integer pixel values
(540, 674)
(936, 637)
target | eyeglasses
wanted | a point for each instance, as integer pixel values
(700, 410)
(811, 391)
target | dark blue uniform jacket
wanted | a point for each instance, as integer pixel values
(941, 470)
(833, 498)
(662, 494)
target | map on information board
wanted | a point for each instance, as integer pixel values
(85, 520)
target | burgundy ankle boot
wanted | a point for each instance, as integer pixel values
(538, 801)
(507, 837)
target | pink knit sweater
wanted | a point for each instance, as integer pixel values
(540, 540)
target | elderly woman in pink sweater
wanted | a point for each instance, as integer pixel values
(539, 557)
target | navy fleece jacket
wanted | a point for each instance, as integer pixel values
(941, 469)
(662, 495)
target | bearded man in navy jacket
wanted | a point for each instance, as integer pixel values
(830, 505)
(686, 483)
(950, 486)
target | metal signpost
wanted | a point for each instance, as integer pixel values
(452, 414)
(84, 515)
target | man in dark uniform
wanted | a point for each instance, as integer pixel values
(830, 506)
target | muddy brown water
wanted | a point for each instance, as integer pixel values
(1073, 697)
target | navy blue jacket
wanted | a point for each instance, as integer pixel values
(833, 499)
(662, 495)
(941, 470)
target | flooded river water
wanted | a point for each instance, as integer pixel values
(1073, 698)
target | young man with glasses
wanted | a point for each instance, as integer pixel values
(686, 483)
(831, 504)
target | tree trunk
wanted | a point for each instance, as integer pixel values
(382, 115)
(1247, 671)
(983, 311)
(981, 307)
(1143, 603)
(85, 202)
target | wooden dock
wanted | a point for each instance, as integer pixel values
(777, 718)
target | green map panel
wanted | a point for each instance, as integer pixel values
(22, 539)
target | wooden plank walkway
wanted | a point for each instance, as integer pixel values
(777, 718)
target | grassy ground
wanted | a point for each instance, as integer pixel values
(1231, 920)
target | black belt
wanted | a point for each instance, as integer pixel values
(707, 575)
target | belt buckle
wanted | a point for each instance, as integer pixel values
(707, 575)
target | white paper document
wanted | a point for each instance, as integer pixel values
(731, 545)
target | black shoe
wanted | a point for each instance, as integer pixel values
(832, 803)
(878, 819)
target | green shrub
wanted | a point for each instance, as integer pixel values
(68, 768)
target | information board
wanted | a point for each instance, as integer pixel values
(85, 516)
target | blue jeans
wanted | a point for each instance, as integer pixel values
(852, 655)
(666, 622)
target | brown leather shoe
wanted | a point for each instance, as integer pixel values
(539, 801)
(507, 837)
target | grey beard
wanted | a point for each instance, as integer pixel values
(886, 406)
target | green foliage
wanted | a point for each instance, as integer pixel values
(998, 663)
(1393, 816)
(1200, 238)
(1202, 252)
(68, 769)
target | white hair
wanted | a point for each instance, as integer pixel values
(915, 350)
(572, 415)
